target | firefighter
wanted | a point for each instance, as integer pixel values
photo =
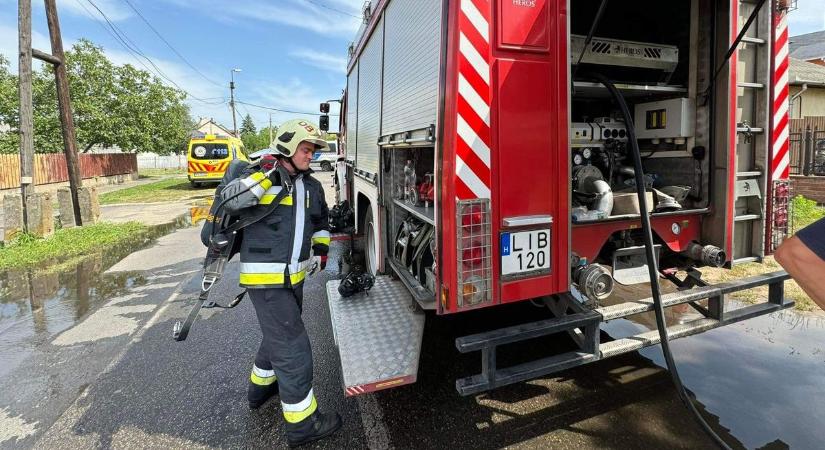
(277, 253)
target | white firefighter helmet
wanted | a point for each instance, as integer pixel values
(293, 132)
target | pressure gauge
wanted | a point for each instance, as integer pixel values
(676, 228)
(577, 159)
(587, 153)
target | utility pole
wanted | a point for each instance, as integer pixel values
(64, 103)
(26, 127)
(232, 100)
(270, 130)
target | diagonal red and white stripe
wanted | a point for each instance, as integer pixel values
(780, 160)
(473, 140)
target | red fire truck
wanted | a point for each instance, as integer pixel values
(486, 165)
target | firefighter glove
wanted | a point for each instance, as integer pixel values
(317, 264)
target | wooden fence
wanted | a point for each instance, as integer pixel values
(814, 123)
(51, 168)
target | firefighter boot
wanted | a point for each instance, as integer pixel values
(317, 426)
(263, 385)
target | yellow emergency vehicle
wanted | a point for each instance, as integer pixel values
(209, 155)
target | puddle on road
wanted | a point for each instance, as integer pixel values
(764, 378)
(35, 305)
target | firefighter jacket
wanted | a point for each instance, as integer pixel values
(275, 250)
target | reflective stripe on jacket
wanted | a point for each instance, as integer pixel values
(275, 251)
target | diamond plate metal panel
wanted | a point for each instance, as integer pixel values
(378, 335)
(642, 340)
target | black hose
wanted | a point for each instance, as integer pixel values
(589, 38)
(653, 270)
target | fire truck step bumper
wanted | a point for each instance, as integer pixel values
(492, 377)
(378, 336)
(715, 292)
(647, 339)
(585, 325)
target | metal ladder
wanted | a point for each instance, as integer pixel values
(752, 143)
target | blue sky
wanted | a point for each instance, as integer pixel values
(292, 52)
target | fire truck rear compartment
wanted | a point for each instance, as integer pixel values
(656, 64)
(408, 178)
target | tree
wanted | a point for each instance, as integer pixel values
(112, 106)
(248, 125)
(9, 98)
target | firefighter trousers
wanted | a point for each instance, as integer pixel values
(285, 347)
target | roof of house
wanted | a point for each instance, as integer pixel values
(210, 124)
(801, 72)
(808, 46)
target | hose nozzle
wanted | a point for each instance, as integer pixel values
(595, 282)
(709, 255)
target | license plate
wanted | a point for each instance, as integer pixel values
(200, 174)
(525, 252)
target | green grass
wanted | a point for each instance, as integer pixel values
(153, 173)
(69, 243)
(805, 212)
(159, 191)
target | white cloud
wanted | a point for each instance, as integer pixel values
(321, 60)
(115, 10)
(9, 44)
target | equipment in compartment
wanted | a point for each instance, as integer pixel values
(622, 53)
(414, 249)
(598, 131)
(667, 119)
(593, 194)
(426, 190)
(411, 217)
(410, 192)
(414, 190)
(602, 179)
(597, 148)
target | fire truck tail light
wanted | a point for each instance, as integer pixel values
(473, 291)
(475, 265)
(472, 216)
(472, 255)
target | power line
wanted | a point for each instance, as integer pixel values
(280, 109)
(132, 48)
(170, 45)
(319, 4)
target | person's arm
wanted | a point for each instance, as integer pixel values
(320, 228)
(803, 257)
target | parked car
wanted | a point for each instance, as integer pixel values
(325, 159)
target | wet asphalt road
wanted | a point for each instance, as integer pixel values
(154, 392)
(116, 379)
